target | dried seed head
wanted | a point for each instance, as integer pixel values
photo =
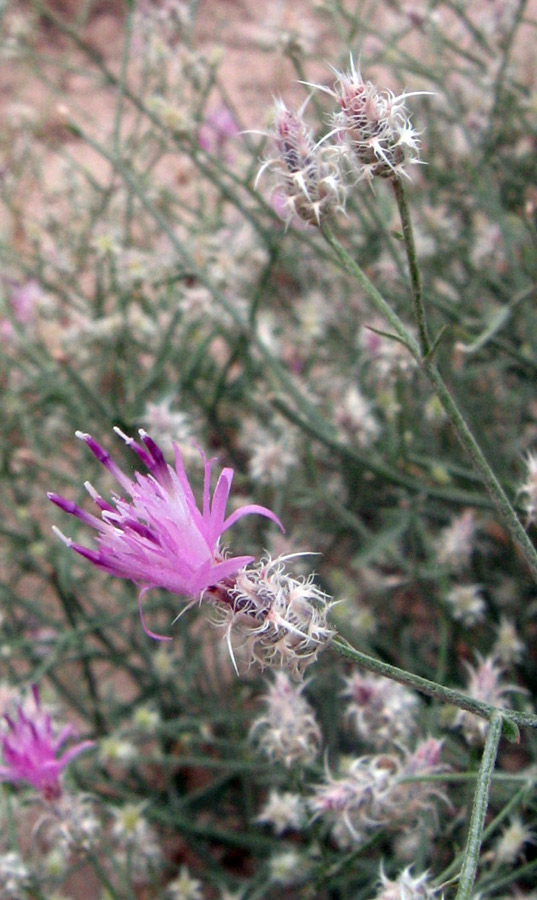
(456, 542)
(508, 647)
(513, 838)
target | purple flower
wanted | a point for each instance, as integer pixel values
(30, 750)
(159, 538)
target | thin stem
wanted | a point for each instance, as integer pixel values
(511, 718)
(493, 486)
(410, 247)
(381, 305)
(479, 808)
(497, 494)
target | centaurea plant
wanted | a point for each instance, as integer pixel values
(184, 298)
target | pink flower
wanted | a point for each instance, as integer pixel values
(30, 750)
(24, 299)
(217, 129)
(160, 538)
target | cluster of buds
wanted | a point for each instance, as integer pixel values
(309, 185)
(160, 538)
(384, 790)
(374, 138)
(382, 711)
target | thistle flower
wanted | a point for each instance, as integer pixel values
(373, 126)
(160, 538)
(307, 175)
(287, 732)
(30, 750)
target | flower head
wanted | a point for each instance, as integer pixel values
(510, 844)
(466, 603)
(381, 710)
(307, 174)
(456, 542)
(288, 731)
(185, 886)
(484, 684)
(216, 130)
(281, 620)
(358, 799)
(374, 125)
(508, 647)
(405, 887)
(159, 538)
(30, 750)
(282, 811)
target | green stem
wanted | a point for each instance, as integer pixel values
(496, 492)
(381, 305)
(498, 496)
(479, 808)
(410, 247)
(511, 718)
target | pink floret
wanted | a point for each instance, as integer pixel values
(159, 537)
(30, 750)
